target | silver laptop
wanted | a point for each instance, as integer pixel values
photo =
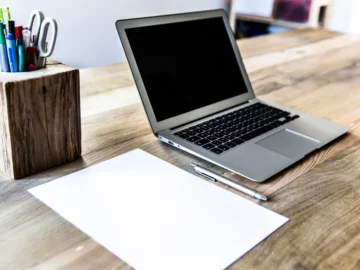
(198, 97)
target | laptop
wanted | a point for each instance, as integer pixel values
(198, 97)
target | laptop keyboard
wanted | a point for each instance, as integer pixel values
(230, 130)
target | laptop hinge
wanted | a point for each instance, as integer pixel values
(199, 119)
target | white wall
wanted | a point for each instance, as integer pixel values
(344, 16)
(355, 18)
(87, 35)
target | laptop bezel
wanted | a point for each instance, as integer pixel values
(157, 126)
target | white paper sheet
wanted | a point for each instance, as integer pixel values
(254, 7)
(154, 215)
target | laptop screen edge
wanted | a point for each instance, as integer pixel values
(187, 117)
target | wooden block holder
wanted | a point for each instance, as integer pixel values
(40, 125)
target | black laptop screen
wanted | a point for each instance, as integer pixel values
(186, 66)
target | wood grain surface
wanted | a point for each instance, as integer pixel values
(315, 71)
(40, 120)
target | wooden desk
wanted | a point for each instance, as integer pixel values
(315, 71)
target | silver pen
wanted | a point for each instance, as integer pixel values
(215, 177)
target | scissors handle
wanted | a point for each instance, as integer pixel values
(45, 47)
(37, 16)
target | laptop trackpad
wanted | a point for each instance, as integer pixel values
(289, 143)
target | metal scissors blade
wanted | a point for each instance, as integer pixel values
(38, 17)
(46, 48)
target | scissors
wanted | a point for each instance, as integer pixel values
(40, 33)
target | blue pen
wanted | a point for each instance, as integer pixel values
(12, 55)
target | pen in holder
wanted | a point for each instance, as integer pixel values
(27, 49)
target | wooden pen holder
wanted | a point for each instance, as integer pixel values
(40, 125)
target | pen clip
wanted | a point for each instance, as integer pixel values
(205, 175)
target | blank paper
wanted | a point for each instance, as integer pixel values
(154, 215)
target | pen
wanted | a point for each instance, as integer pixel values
(3, 54)
(26, 37)
(12, 27)
(11, 50)
(31, 52)
(5, 12)
(215, 177)
(26, 43)
(20, 48)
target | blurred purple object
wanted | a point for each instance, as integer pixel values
(293, 10)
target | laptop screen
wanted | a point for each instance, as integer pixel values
(186, 66)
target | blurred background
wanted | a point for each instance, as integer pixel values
(87, 34)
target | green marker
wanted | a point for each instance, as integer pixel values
(3, 53)
(5, 15)
(20, 48)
